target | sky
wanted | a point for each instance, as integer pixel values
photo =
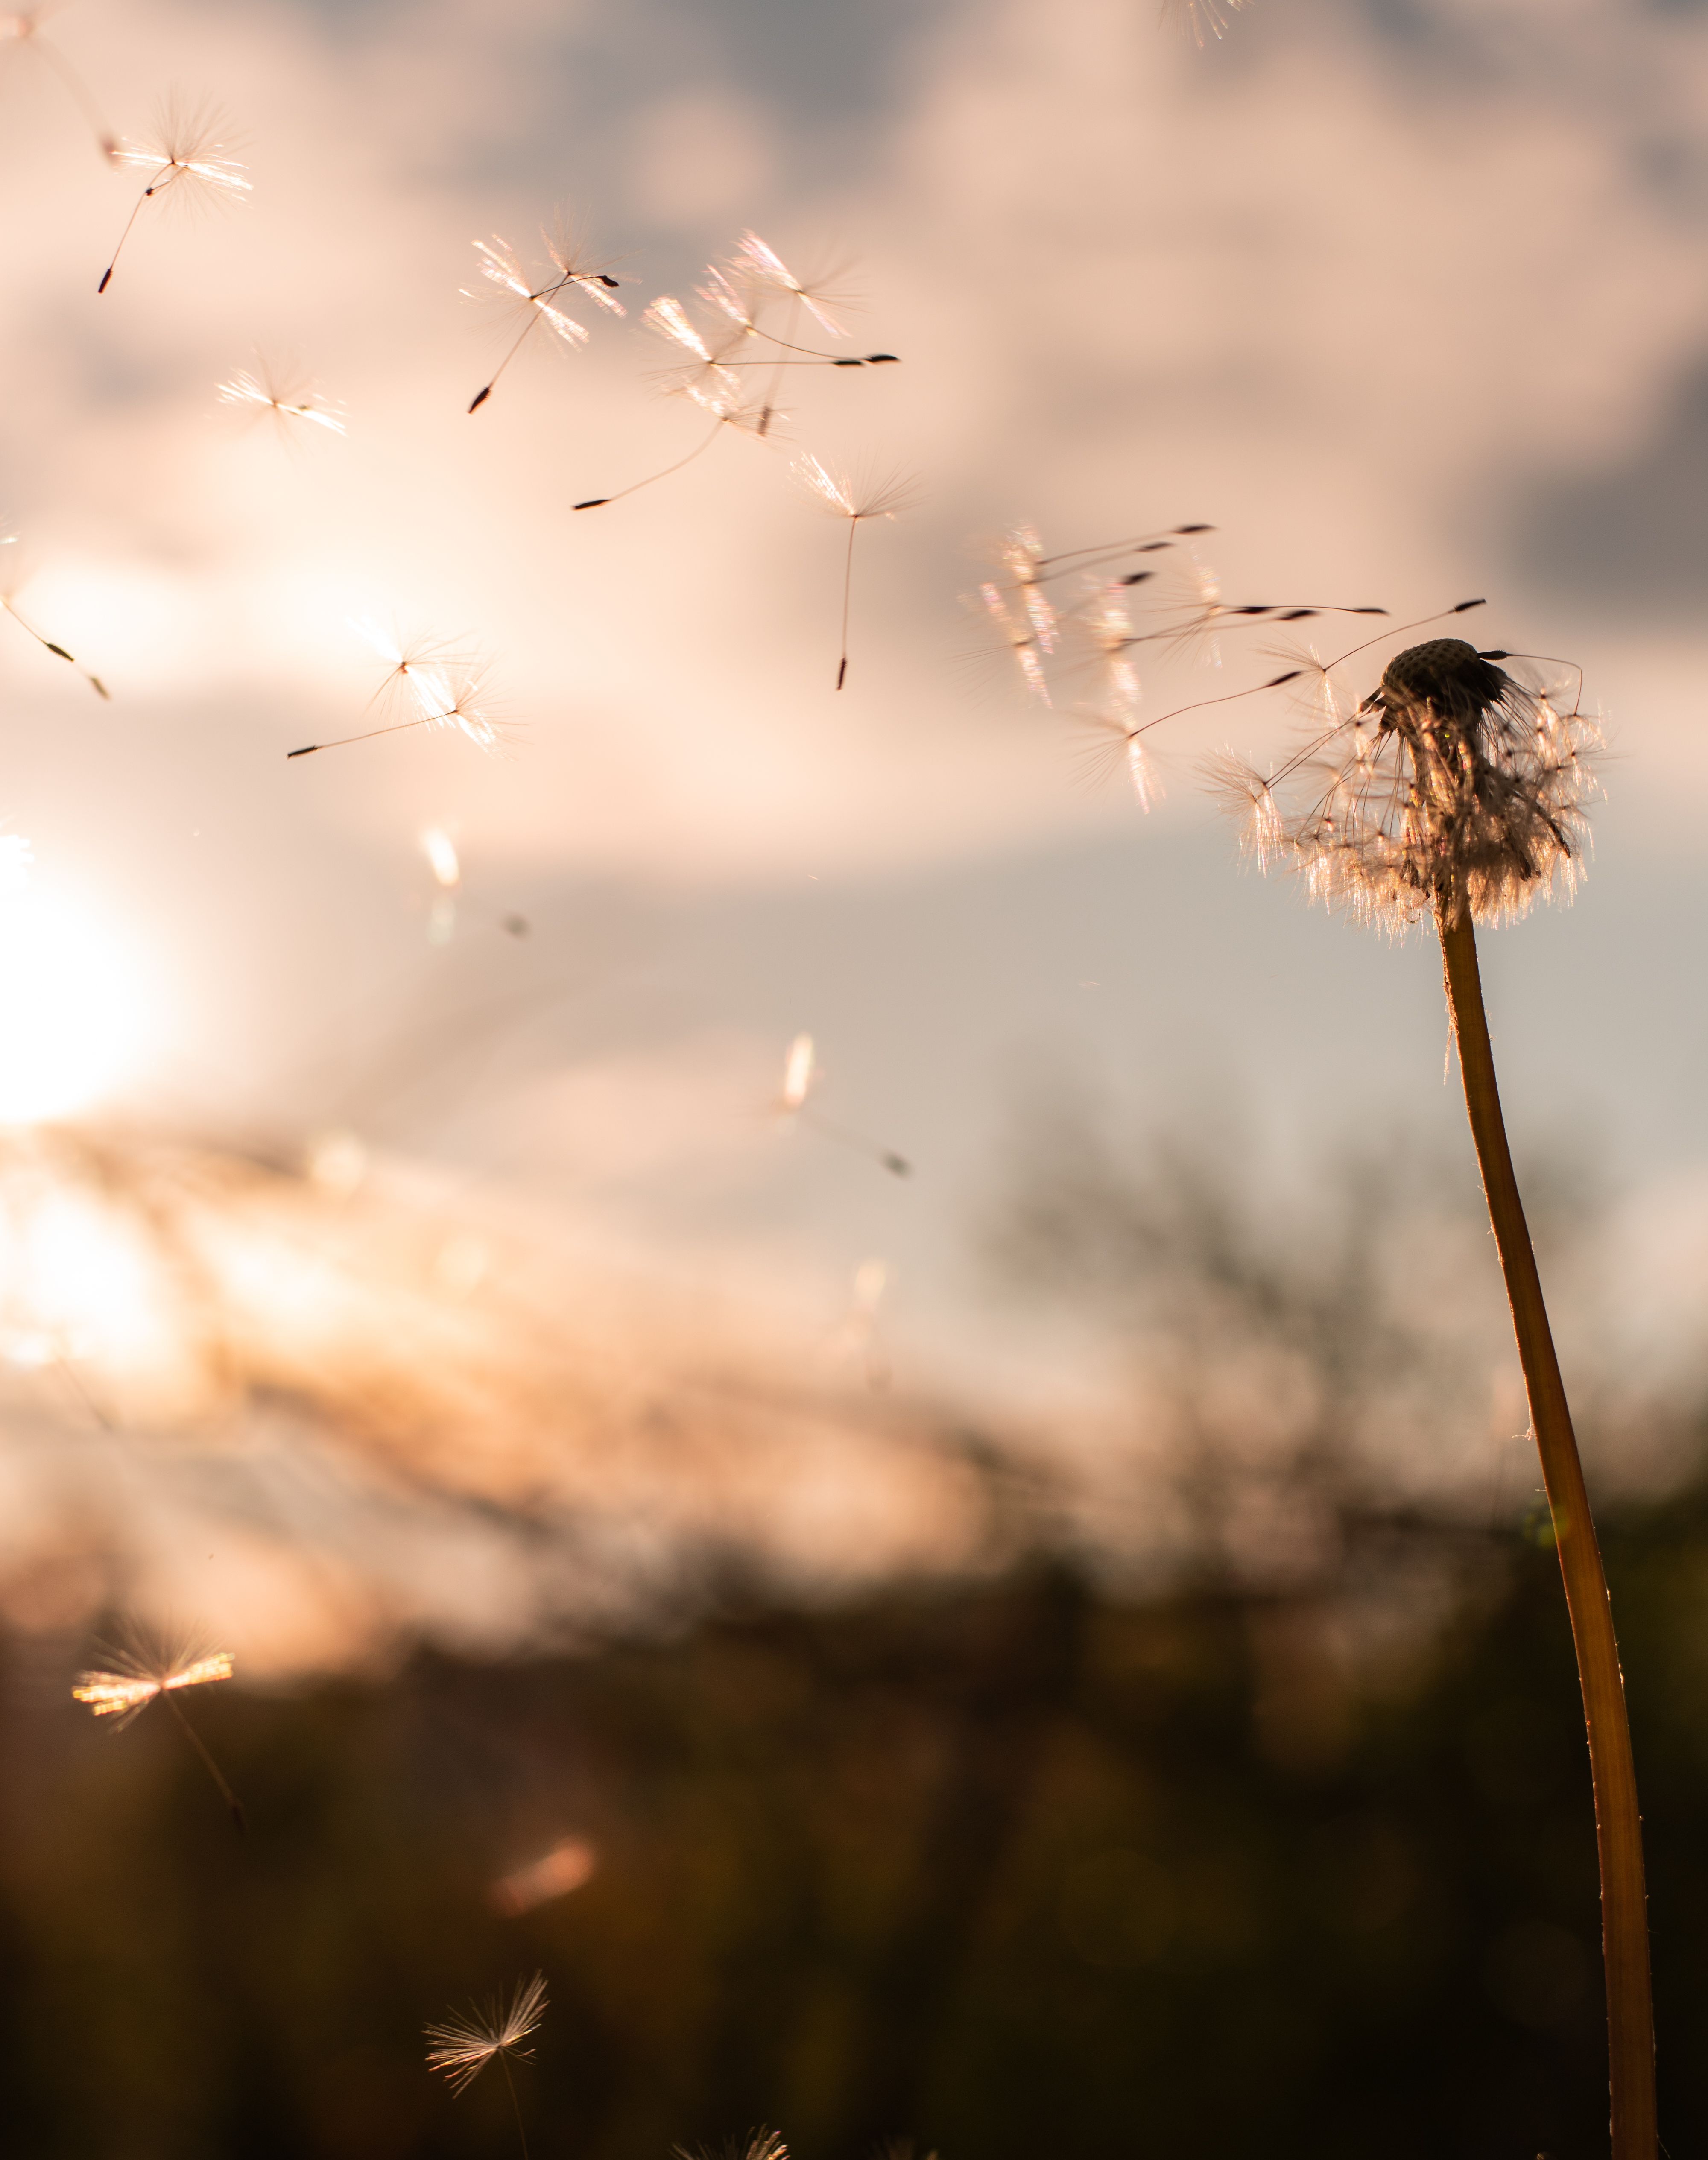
(1402, 297)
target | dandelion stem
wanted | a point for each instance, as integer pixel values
(515, 2103)
(853, 526)
(135, 212)
(195, 1740)
(481, 396)
(599, 502)
(1618, 1820)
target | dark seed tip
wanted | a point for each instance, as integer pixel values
(847, 363)
(308, 749)
(1275, 682)
(593, 502)
(883, 359)
(106, 279)
(100, 688)
(842, 675)
(1494, 655)
(1195, 528)
(1465, 606)
(609, 283)
(898, 1166)
(480, 398)
(1137, 577)
(59, 649)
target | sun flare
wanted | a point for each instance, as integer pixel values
(73, 1004)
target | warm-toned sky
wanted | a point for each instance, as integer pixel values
(1405, 297)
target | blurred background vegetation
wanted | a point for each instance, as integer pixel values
(1229, 1794)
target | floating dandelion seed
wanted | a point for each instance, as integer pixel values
(758, 270)
(463, 2046)
(142, 1673)
(437, 688)
(802, 1073)
(744, 419)
(188, 163)
(571, 272)
(1089, 634)
(20, 31)
(737, 292)
(705, 377)
(8, 604)
(859, 503)
(818, 293)
(756, 2145)
(1195, 17)
(289, 400)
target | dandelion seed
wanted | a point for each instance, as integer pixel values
(436, 687)
(288, 399)
(142, 1673)
(20, 31)
(801, 1074)
(858, 502)
(1196, 17)
(706, 377)
(756, 2145)
(188, 163)
(572, 272)
(759, 269)
(818, 294)
(463, 2046)
(743, 419)
(8, 604)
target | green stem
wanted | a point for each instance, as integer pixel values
(1618, 1819)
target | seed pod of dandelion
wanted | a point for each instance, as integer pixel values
(1453, 785)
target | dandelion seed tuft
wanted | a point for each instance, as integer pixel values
(462, 2047)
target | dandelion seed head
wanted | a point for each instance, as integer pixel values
(1198, 18)
(463, 2046)
(288, 398)
(188, 154)
(815, 293)
(1455, 786)
(502, 268)
(859, 498)
(140, 1672)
